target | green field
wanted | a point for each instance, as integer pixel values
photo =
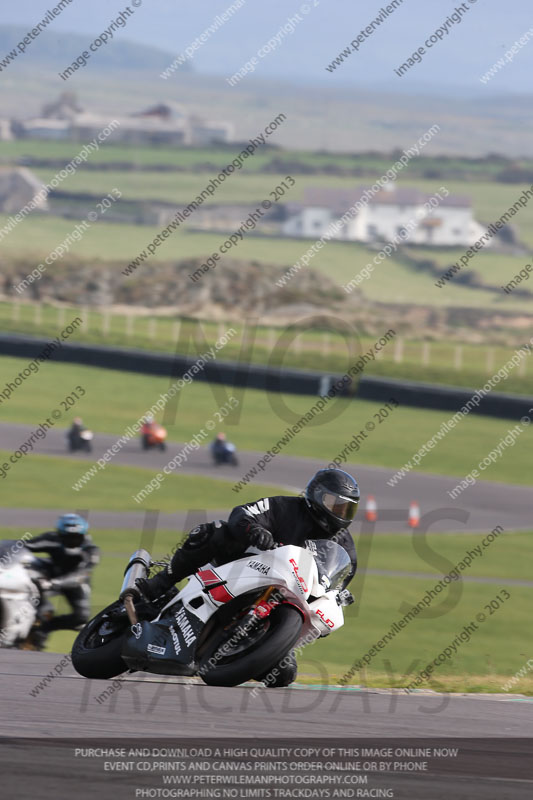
(198, 158)
(320, 349)
(482, 664)
(48, 481)
(391, 444)
(391, 282)
(489, 200)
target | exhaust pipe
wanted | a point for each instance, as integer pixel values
(138, 567)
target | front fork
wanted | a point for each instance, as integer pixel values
(267, 602)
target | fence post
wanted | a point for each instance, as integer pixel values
(426, 354)
(60, 316)
(15, 311)
(398, 351)
(152, 328)
(84, 318)
(175, 331)
(105, 322)
(458, 357)
(490, 359)
(130, 319)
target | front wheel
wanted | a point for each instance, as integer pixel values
(250, 647)
(97, 650)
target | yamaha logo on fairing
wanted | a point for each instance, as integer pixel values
(185, 627)
(262, 568)
(153, 648)
(175, 641)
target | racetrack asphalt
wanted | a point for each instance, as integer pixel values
(152, 705)
(480, 508)
(41, 731)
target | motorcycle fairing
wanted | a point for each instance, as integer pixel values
(166, 646)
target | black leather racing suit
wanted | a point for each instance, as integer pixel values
(289, 521)
(70, 575)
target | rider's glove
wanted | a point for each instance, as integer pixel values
(261, 538)
(345, 598)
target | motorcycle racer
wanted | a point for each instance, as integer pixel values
(327, 508)
(72, 556)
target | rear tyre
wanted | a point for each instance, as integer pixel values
(237, 654)
(97, 650)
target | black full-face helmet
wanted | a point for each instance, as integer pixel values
(332, 497)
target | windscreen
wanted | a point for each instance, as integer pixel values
(332, 560)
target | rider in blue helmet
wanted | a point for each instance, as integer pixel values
(67, 571)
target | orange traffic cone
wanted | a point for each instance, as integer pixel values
(371, 510)
(414, 515)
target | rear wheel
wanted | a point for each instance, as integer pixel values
(249, 647)
(97, 650)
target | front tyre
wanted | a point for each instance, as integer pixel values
(245, 650)
(97, 650)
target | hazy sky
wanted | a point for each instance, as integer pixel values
(488, 29)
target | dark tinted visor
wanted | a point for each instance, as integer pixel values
(341, 507)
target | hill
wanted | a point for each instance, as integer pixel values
(55, 51)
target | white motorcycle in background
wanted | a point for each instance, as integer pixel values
(84, 441)
(229, 624)
(19, 596)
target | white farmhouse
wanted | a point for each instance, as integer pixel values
(387, 215)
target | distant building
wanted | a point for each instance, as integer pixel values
(43, 128)
(6, 132)
(18, 188)
(161, 124)
(387, 214)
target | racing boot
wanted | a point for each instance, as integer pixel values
(152, 588)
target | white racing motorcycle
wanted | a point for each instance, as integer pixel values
(229, 624)
(19, 596)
